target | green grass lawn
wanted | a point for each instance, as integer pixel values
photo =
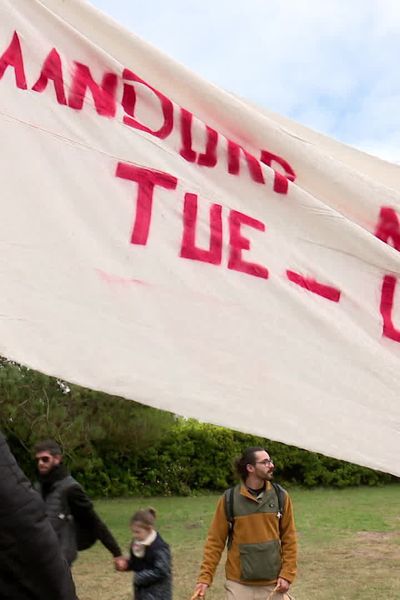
(349, 543)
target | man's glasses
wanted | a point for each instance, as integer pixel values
(43, 459)
(266, 461)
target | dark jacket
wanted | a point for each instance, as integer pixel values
(153, 579)
(71, 511)
(31, 564)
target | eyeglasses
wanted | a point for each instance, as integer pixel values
(265, 462)
(43, 459)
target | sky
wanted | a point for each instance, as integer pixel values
(332, 65)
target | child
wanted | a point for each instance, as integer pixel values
(150, 559)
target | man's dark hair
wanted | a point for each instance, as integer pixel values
(247, 458)
(49, 446)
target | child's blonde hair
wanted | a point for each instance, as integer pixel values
(145, 517)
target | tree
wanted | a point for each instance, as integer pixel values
(89, 425)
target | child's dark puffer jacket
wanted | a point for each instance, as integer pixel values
(153, 577)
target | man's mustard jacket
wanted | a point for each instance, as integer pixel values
(264, 544)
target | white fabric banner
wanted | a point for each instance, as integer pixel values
(165, 241)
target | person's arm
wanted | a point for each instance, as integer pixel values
(215, 544)
(160, 570)
(81, 506)
(107, 539)
(128, 564)
(129, 561)
(82, 510)
(41, 566)
(288, 542)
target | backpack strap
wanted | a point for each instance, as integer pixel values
(280, 494)
(228, 497)
(66, 484)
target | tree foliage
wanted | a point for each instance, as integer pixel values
(116, 447)
(90, 426)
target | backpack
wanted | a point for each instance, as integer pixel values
(229, 509)
(85, 537)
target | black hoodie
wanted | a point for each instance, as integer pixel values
(31, 565)
(80, 507)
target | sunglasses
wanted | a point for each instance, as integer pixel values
(43, 459)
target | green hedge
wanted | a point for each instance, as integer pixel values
(193, 457)
(119, 448)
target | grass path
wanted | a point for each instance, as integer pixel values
(349, 543)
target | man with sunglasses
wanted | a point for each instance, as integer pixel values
(32, 566)
(69, 509)
(255, 520)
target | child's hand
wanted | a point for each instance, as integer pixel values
(120, 563)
